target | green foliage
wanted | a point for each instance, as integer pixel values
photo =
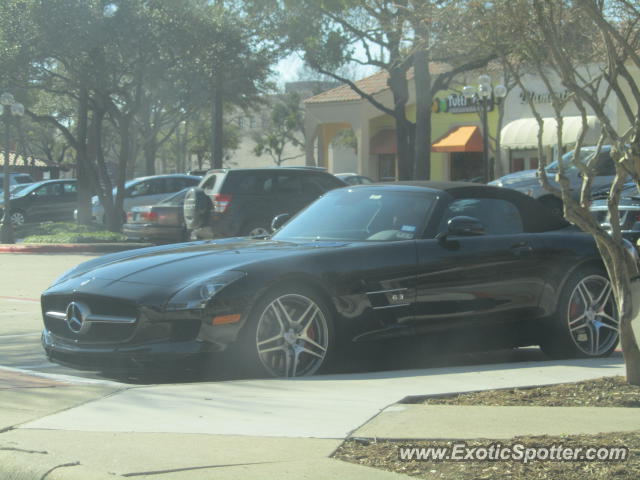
(63, 232)
(286, 127)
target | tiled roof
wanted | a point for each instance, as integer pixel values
(22, 160)
(371, 85)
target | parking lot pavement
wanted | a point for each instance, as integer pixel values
(23, 277)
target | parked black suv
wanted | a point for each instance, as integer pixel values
(239, 202)
(47, 200)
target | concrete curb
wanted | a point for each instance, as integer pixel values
(70, 247)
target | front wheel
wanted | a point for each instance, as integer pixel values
(17, 218)
(586, 323)
(290, 334)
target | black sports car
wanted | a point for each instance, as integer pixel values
(361, 264)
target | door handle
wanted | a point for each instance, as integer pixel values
(521, 249)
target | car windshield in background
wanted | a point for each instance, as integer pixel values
(26, 190)
(175, 199)
(586, 154)
(361, 214)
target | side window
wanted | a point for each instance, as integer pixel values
(605, 166)
(50, 190)
(42, 191)
(209, 183)
(144, 188)
(70, 188)
(289, 184)
(499, 217)
(327, 182)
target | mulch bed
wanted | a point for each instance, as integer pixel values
(603, 392)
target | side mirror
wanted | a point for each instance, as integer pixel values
(279, 220)
(463, 227)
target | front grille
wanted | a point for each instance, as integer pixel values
(98, 332)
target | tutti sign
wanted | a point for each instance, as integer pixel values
(457, 103)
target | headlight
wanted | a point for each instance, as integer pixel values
(197, 294)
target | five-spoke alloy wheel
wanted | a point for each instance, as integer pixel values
(592, 316)
(587, 322)
(292, 336)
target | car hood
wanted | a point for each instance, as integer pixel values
(180, 264)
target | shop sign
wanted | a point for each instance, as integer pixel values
(457, 103)
(539, 98)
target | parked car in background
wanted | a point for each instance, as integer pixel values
(527, 181)
(146, 191)
(369, 263)
(353, 178)
(15, 179)
(160, 223)
(46, 200)
(234, 202)
(629, 208)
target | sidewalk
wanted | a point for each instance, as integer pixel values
(262, 428)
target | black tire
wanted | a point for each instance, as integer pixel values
(554, 205)
(254, 229)
(586, 316)
(196, 209)
(267, 340)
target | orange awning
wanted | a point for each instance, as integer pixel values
(460, 139)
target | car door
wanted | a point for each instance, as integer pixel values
(63, 210)
(490, 277)
(43, 202)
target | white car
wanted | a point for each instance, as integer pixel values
(146, 191)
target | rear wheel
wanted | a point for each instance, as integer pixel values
(290, 334)
(586, 323)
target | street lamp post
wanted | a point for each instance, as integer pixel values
(9, 107)
(484, 92)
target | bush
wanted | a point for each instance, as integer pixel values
(66, 232)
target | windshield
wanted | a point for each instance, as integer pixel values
(585, 155)
(26, 189)
(361, 214)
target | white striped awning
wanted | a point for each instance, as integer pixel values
(523, 133)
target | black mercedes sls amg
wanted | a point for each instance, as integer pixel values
(367, 263)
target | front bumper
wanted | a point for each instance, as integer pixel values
(143, 231)
(122, 357)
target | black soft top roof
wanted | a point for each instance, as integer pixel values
(535, 216)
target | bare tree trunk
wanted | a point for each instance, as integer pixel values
(217, 119)
(400, 90)
(424, 99)
(84, 179)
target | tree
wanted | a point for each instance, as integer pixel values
(286, 127)
(393, 36)
(567, 39)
